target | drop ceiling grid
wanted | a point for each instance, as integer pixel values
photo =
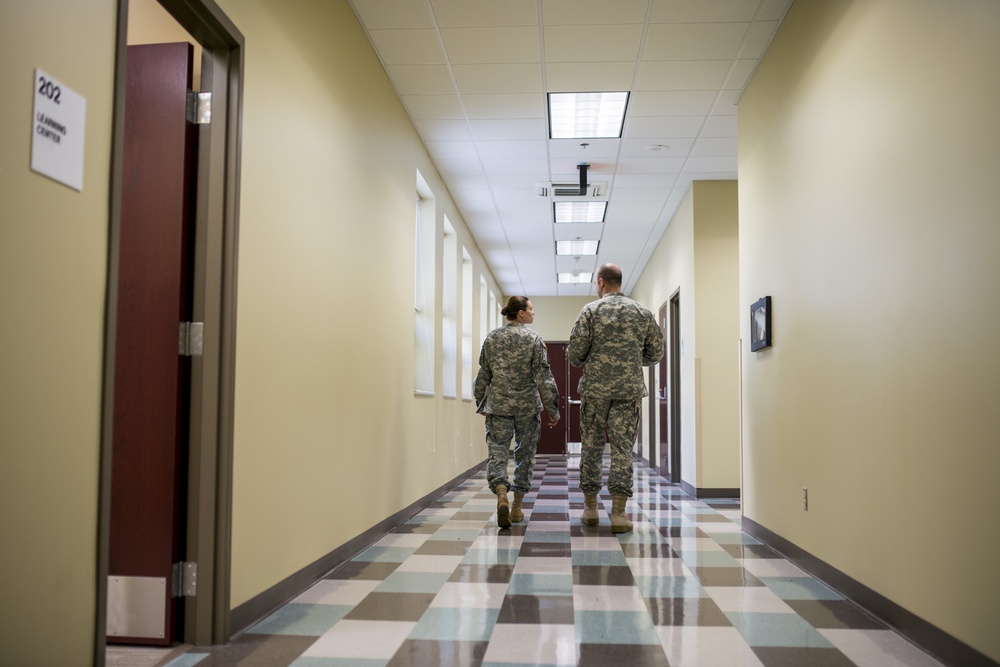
(472, 75)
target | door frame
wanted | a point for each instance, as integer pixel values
(674, 386)
(216, 224)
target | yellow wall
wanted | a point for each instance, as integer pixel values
(717, 322)
(329, 438)
(556, 315)
(868, 211)
(698, 256)
(53, 257)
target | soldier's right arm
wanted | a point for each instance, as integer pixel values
(580, 339)
(484, 378)
(652, 348)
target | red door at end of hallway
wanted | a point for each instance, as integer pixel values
(151, 376)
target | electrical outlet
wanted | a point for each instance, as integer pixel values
(805, 499)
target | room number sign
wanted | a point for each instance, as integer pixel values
(57, 129)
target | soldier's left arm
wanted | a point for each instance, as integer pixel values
(484, 378)
(544, 380)
(652, 348)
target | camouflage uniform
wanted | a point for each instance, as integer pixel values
(514, 366)
(615, 337)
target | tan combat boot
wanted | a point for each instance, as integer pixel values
(515, 507)
(589, 516)
(503, 507)
(619, 522)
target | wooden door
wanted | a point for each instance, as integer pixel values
(151, 377)
(553, 439)
(573, 403)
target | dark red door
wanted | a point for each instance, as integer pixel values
(553, 438)
(661, 400)
(150, 397)
(572, 415)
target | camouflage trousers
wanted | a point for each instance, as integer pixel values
(525, 430)
(618, 420)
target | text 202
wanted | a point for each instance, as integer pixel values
(49, 89)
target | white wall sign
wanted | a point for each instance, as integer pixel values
(57, 128)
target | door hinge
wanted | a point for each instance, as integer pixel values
(184, 582)
(190, 341)
(199, 108)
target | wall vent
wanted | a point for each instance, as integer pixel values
(547, 189)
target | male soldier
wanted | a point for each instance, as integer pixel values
(514, 366)
(615, 337)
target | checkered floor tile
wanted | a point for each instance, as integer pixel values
(685, 588)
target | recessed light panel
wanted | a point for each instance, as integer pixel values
(575, 278)
(586, 115)
(576, 247)
(580, 211)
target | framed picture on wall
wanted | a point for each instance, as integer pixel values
(760, 324)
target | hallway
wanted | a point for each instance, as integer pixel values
(685, 588)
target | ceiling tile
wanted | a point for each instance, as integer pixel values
(421, 79)
(453, 150)
(740, 74)
(513, 105)
(773, 10)
(624, 195)
(596, 149)
(377, 14)
(487, 79)
(757, 39)
(408, 47)
(645, 180)
(491, 45)
(632, 212)
(694, 41)
(579, 77)
(512, 149)
(715, 147)
(649, 165)
(697, 11)
(663, 127)
(443, 130)
(465, 13)
(537, 208)
(720, 126)
(517, 194)
(508, 130)
(532, 238)
(519, 219)
(588, 44)
(637, 148)
(429, 107)
(674, 103)
(682, 74)
(583, 12)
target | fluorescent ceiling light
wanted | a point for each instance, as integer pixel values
(580, 211)
(586, 115)
(576, 247)
(582, 278)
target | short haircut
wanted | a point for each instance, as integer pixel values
(610, 273)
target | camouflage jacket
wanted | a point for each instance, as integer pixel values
(515, 367)
(613, 338)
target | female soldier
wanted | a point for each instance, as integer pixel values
(513, 372)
